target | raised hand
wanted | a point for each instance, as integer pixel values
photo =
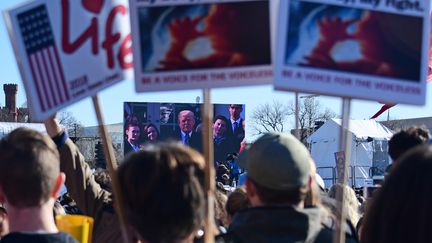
(185, 30)
(335, 29)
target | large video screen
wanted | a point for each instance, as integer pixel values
(146, 123)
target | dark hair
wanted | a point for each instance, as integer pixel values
(237, 200)
(29, 167)
(236, 105)
(271, 196)
(3, 210)
(131, 124)
(162, 191)
(404, 140)
(400, 211)
(222, 118)
(147, 127)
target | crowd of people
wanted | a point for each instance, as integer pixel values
(163, 195)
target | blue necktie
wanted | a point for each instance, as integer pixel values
(187, 139)
(235, 127)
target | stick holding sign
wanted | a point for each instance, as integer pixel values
(343, 159)
(112, 167)
(210, 185)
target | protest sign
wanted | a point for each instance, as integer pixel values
(182, 44)
(376, 50)
(68, 50)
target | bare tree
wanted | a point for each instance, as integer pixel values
(310, 112)
(270, 117)
(73, 126)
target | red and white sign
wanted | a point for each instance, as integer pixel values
(183, 44)
(376, 50)
(68, 50)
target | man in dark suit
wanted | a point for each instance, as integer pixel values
(133, 133)
(186, 133)
(235, 131)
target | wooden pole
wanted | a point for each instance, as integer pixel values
(112, 167)
(344, 145)
(210, 178)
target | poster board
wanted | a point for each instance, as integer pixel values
(68, 50)
(165, 119)
(375, 50)
(340, 161)
(182, 44)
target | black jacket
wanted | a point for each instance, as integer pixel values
(127, 148)
(222, 147)
(278, 224)
(237, 136)
(195, 140)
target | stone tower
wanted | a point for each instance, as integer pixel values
(10, 96)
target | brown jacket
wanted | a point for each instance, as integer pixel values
(89, 196)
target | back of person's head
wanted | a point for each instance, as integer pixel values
(237, 200)
(162, 191)
(279, 168)
(352, 204)
(400, 211)
(29, 168)
(404, 140)
(220, 212)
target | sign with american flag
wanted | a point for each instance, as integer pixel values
(42, 55)
(68, 50)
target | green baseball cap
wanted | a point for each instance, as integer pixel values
(277, 161)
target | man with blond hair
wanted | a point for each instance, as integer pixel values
(186, 131)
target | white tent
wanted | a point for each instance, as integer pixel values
(369, 141)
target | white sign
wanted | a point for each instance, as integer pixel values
(182, 44)
(68, 50)
(375, 50)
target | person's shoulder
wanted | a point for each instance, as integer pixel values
(60, 237)
(326, 236)
(229, 237)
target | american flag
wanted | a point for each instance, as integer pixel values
(42, 54)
